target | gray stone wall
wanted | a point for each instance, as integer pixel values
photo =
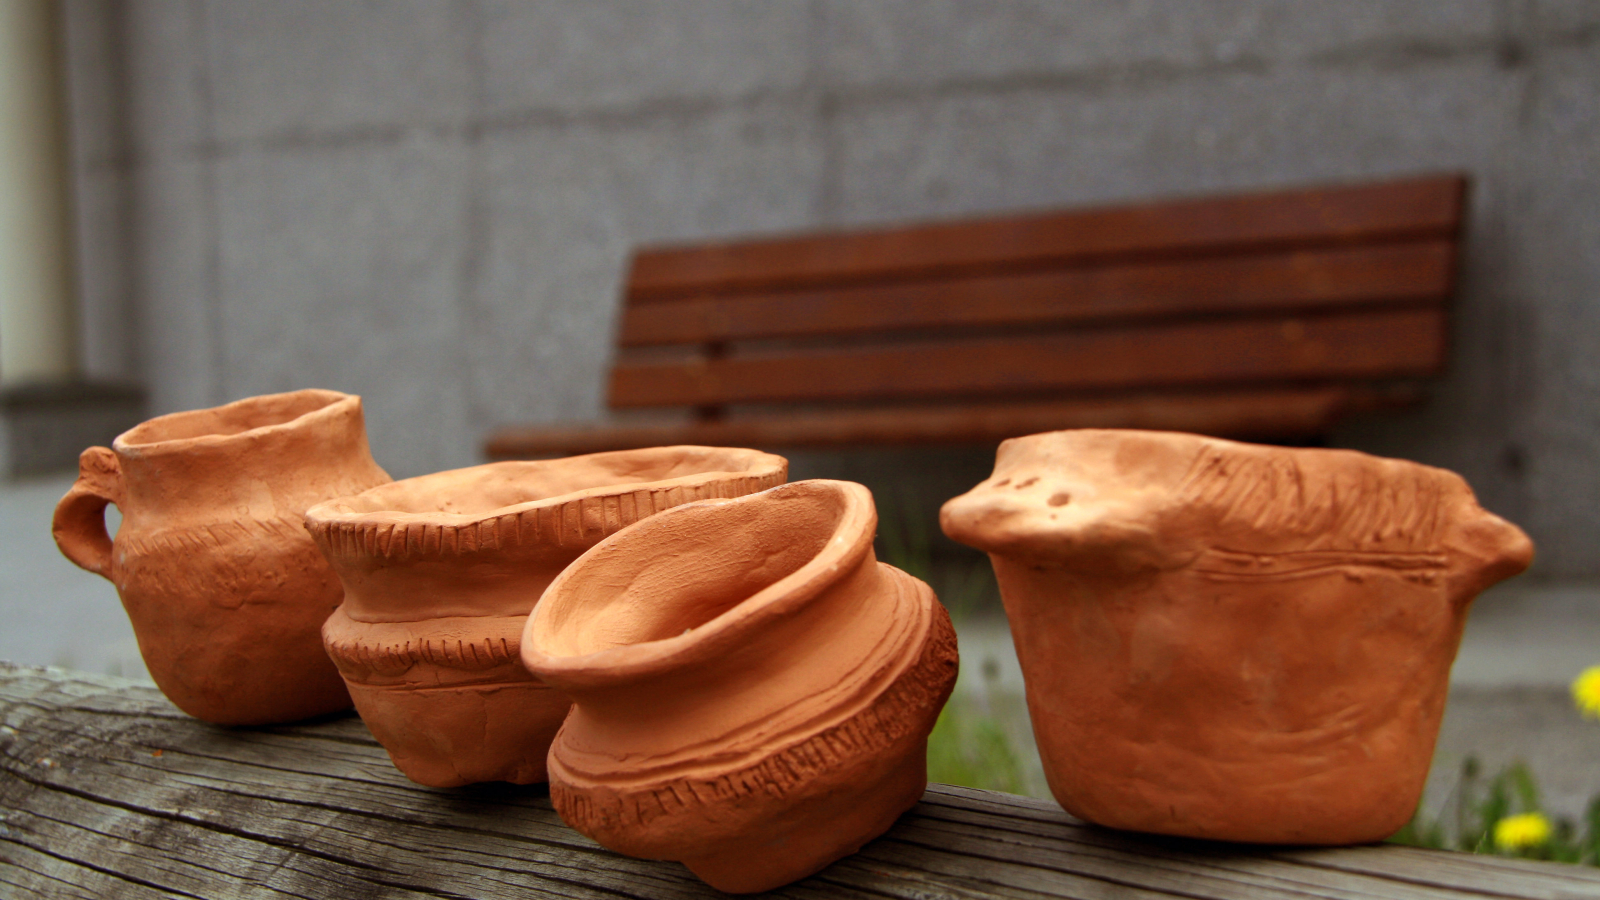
(431, 203)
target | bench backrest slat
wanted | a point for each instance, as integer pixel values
(1297, 280)
(1419, 208)
(1378, 344)
(1290, 288)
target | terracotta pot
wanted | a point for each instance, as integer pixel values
(753, 689)
(1222, 640)
(226, 592)
(441, 571)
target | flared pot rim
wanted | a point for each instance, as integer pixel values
(337, 511)
(333, 404)
(849, 542)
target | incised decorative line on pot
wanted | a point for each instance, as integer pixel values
(440, 573)
(753, 689)
(1230, 641)
(225, 590)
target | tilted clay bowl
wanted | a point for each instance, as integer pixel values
(225, 590)
(1222, 640)
(440, 573)
(753, 689)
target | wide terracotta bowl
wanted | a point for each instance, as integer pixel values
(440, 573)
(1222, 640)
(753, 689)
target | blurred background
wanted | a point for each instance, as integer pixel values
(432, 204)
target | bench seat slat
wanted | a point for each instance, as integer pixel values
(1308, 279)
(1263, 413)
(1382, 344)
(1413, 208)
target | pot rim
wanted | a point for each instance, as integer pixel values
(328, 513)
(335, 403)
(1177, 514)
(849, 542)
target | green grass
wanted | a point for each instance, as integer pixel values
(965, 584)
(969, 749)
(1477, 805)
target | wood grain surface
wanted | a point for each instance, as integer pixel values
(106, 790)
(1359, 345)
(1306, 280)
(1397, 210)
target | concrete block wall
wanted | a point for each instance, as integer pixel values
(431, 203)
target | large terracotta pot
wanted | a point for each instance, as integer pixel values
(226, 592)
(1229, 641)
(753, 689)
(441, 571)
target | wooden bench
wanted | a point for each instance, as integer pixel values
(1267, 315)
(106, 790)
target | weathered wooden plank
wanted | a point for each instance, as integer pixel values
(1461, 872)
(149, 851)
(1413, 208)
(1301, 280)
(349, 825)
(1263, 413)
(1403, 343)
(29, 873)
(105, 790)
(1389, 872)
(1172, 865)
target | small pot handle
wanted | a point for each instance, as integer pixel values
(79, 526)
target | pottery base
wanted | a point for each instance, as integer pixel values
(815, 835)
(229, 622)
(246, 705)
(270, 678)
(798, 810)
(463, 734)
(1262, 710)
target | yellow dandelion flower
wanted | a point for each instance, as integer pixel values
(1586, 692)
(1521, 832)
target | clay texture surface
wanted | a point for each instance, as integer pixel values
(1230, 641)
(753, 689)
(226, 592)
(441, 571)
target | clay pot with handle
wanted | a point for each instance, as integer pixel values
(1230, 641)
(753, 689)
(226, 591)
(441, 571)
